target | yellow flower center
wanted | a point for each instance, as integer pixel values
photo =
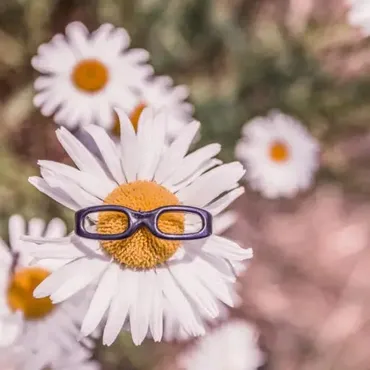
(134, 118)
(279, 152)
(20, 293)
(142, 250)
(90, 75)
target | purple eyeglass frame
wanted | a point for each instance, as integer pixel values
(138, 219)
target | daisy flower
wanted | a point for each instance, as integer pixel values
(231, 346)
(142, 278)
(280, 155)
(39, 327)
(359, 14)
(86, 75)
(159, 93)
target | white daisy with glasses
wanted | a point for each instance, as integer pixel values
(359, 14)
(41, 329)
(160, 93)
(280, 155)
(174, 264)
(233, 345)
(84, 76)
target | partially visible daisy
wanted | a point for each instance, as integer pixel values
(141, 278)
(86, 75)
(280, 155)
(160, 94)
(359, 14)
(39, 327)
(233, 346)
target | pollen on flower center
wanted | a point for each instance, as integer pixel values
(90, 75)
(141, 250)
(20, 293)
(279, 152)
(134, 118)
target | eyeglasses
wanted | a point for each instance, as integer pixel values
(163, 222)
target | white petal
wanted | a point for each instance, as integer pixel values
(203, 168)
(90, 270)
(156, 316)
(171, 326)
(179, 303)
(211, 184)
(99, 187)
(151, 138)
(54, 251)
(42, 239)
(193, 161)
(78, 37)
(223, 202)
(11, 328)
(224, 221)
(78, 194)
(17, 227)
(127, 291)
(36, 227)
(176, 152)
(101, 34)
(101, 300)
(56, 228)
(142, 306)
(57, 194)
(108, 151)
(225, 248)
(58, 278)
(83, 159)
(195, 250)
(130, 157)
(196, 291)
(213, 281)
(5, 256)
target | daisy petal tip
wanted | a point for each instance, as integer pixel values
(137, 341)
(39, 293)
(196, 124)
(76, 26)
(34, 61)
(120, 112)
(108, 340)
(80, 337)
(24, 238)
(33, 180)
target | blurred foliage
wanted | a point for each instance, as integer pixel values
(239, 58)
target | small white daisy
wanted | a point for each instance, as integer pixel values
(85, 76)
(233, 346)
(141, 278)
(39, 327)
(159, 93)
(280, 155)
(359, 14)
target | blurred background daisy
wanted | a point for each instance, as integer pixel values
(233, 345)
(282, 85)
(42, 332)
(280, 155)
